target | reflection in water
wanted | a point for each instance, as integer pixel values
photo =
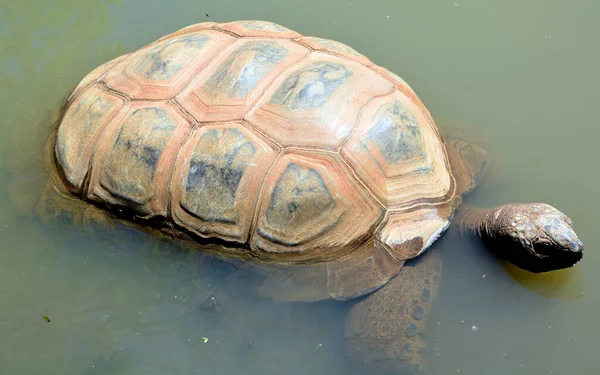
(122, 302)
(564, 284)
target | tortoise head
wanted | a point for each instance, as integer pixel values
(534, 236)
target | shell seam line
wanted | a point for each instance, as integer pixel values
(358, 179)
(343, 142)
(216, 28)
(266, 89)
(409, 95)
(330, 51)
(110, 90)
(190, 119)
(206, 66)
(169, 187)
(360, 115)
(254, 223)
(250, 126)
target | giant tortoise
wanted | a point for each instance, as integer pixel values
(299, 157)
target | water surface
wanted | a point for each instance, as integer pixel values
(519, 78)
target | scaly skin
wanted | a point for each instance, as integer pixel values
(384, 331)
(533, 236)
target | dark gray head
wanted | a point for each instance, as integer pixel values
(533, 236)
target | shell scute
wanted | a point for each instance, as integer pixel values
(398, 153)
(228, 87)
(300, 199)
(307, 206)
(302, 107)
(134, 158)
(162, 69)
(217, 180)
(82, 125)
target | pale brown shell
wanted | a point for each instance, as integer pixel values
(258, 142)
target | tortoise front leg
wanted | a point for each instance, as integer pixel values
(384, 330)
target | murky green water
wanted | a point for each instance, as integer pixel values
(521, 77)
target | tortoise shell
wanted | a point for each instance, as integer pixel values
(259, 143)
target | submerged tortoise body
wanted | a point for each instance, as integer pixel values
(261, 143)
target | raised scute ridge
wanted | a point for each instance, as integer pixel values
(188, 30)
(335, 47)
(258, 29)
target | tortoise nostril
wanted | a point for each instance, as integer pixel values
(576, 246)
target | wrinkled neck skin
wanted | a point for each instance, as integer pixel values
(533, 236)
